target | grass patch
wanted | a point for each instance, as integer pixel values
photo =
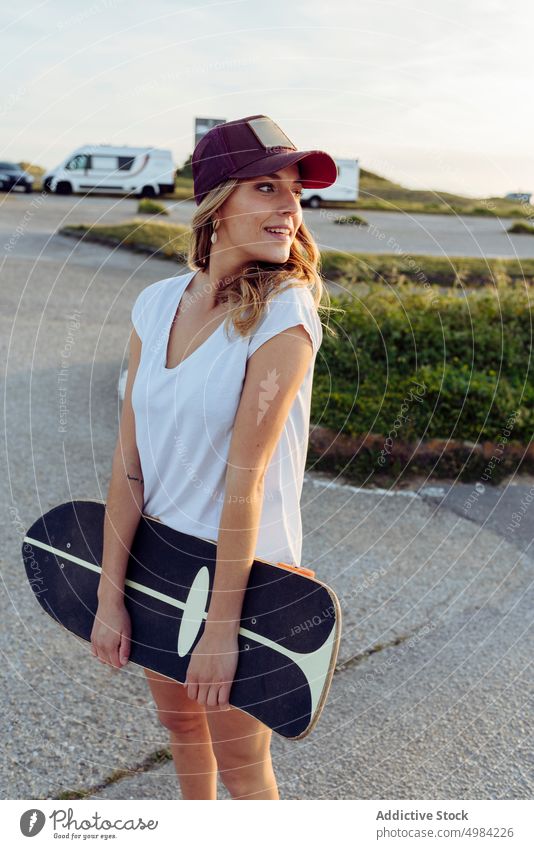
(471, 355)
(147, 206)
(414, 387)
(157, 238)
(462, 272)
(156, 758)
(522, 228)
(356, 220)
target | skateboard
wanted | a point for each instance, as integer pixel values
(290, 624)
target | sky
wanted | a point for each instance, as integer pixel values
(433, 95)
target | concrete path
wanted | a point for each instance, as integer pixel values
(431, 694)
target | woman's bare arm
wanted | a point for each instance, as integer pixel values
(280, 364)
(124, 503)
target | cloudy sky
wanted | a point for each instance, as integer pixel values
(431, 94)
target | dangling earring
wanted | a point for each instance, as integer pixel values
(214, 234)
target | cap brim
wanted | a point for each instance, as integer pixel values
(317, 168)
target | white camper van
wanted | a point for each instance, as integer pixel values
(142, 171)
(346, 186)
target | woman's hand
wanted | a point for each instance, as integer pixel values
(212, 667)
(110, 637)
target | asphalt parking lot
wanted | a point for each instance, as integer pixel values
(432, 694)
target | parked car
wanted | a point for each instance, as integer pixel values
(521, 197)
(141, 171)
(13, 176)
(346, 186)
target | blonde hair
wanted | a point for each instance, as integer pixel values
(253, 286)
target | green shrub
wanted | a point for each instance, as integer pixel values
(470, 354)
(151, 236)
(351, 219)
(483, 210)
(521, 227)
(147, 206)
(430, 271)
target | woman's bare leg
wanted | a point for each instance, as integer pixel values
(241, 745)
(190, 740)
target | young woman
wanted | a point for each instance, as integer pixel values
(214, 428)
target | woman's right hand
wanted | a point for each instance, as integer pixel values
(110, 637)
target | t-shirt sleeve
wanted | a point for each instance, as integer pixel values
(138, 316)
(286, 309)
(145, 304)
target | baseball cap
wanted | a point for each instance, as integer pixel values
(250, 147)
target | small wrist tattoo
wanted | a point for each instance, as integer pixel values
(131, 478)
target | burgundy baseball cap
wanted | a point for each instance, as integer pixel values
(250, 147)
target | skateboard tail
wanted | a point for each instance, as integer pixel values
(300, 570)
(314, 665)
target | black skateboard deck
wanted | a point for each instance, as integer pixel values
(290, 623)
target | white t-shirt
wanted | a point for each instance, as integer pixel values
(184, 420)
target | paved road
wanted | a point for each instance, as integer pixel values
(436, 235)
(431, 694)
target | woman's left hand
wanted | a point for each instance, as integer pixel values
(212, 668)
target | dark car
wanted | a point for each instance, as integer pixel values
(13, 176)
